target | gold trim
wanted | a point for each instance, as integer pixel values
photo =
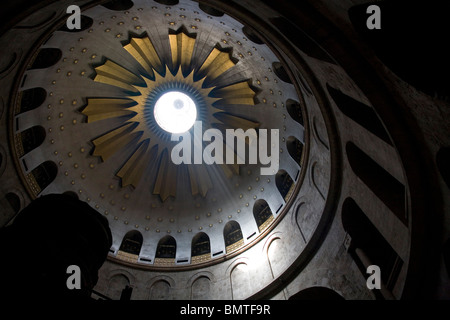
(289, 193)
(181, 47)
(164, 261)
(215, 64)
(144, 52)
(234, 246)
(201, 258)
(113, 74)
(34, 186)
(19, 145)
(125, 256)
(266, 223)
(139, 129)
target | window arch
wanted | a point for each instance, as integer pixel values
(252, 35)
(160, 290)
(200, 248)
(284, 184)
(232, 234)
(31, 138)
(262, 214)
(294, 108)
(46, 57)
(43, 175)
(32, 98)
(281, 72)
(117, 284)
(201, 288)
(166, 251)
(130, 247)
(295, 149)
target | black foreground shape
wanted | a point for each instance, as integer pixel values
(50, 234)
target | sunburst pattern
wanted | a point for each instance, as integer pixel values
(150, 143)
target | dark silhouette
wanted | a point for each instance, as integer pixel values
(50, 234)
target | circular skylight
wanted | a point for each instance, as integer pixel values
(175, 112)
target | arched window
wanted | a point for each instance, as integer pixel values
(252, 35)
(116, 287)
(201, 248)
(368, 246)
(295, 149)
(43, 175)
(233, 236)
(284, 183)
(32, 138)
(294, 108)
(46, 57)
(130, 247)
(160, 290)
(201, 289)
(281, 72)
(166, 251)
(32, 98)
(262, 214)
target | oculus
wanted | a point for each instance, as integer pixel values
(145, 126)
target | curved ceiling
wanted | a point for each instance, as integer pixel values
(79, 108)
(93, 133)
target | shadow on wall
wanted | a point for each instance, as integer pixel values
(54, 232)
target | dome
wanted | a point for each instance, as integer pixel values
(221, 140)
(114, 139)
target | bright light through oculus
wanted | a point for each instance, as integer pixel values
(175, 112)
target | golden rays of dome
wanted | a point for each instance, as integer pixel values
(139, 130)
